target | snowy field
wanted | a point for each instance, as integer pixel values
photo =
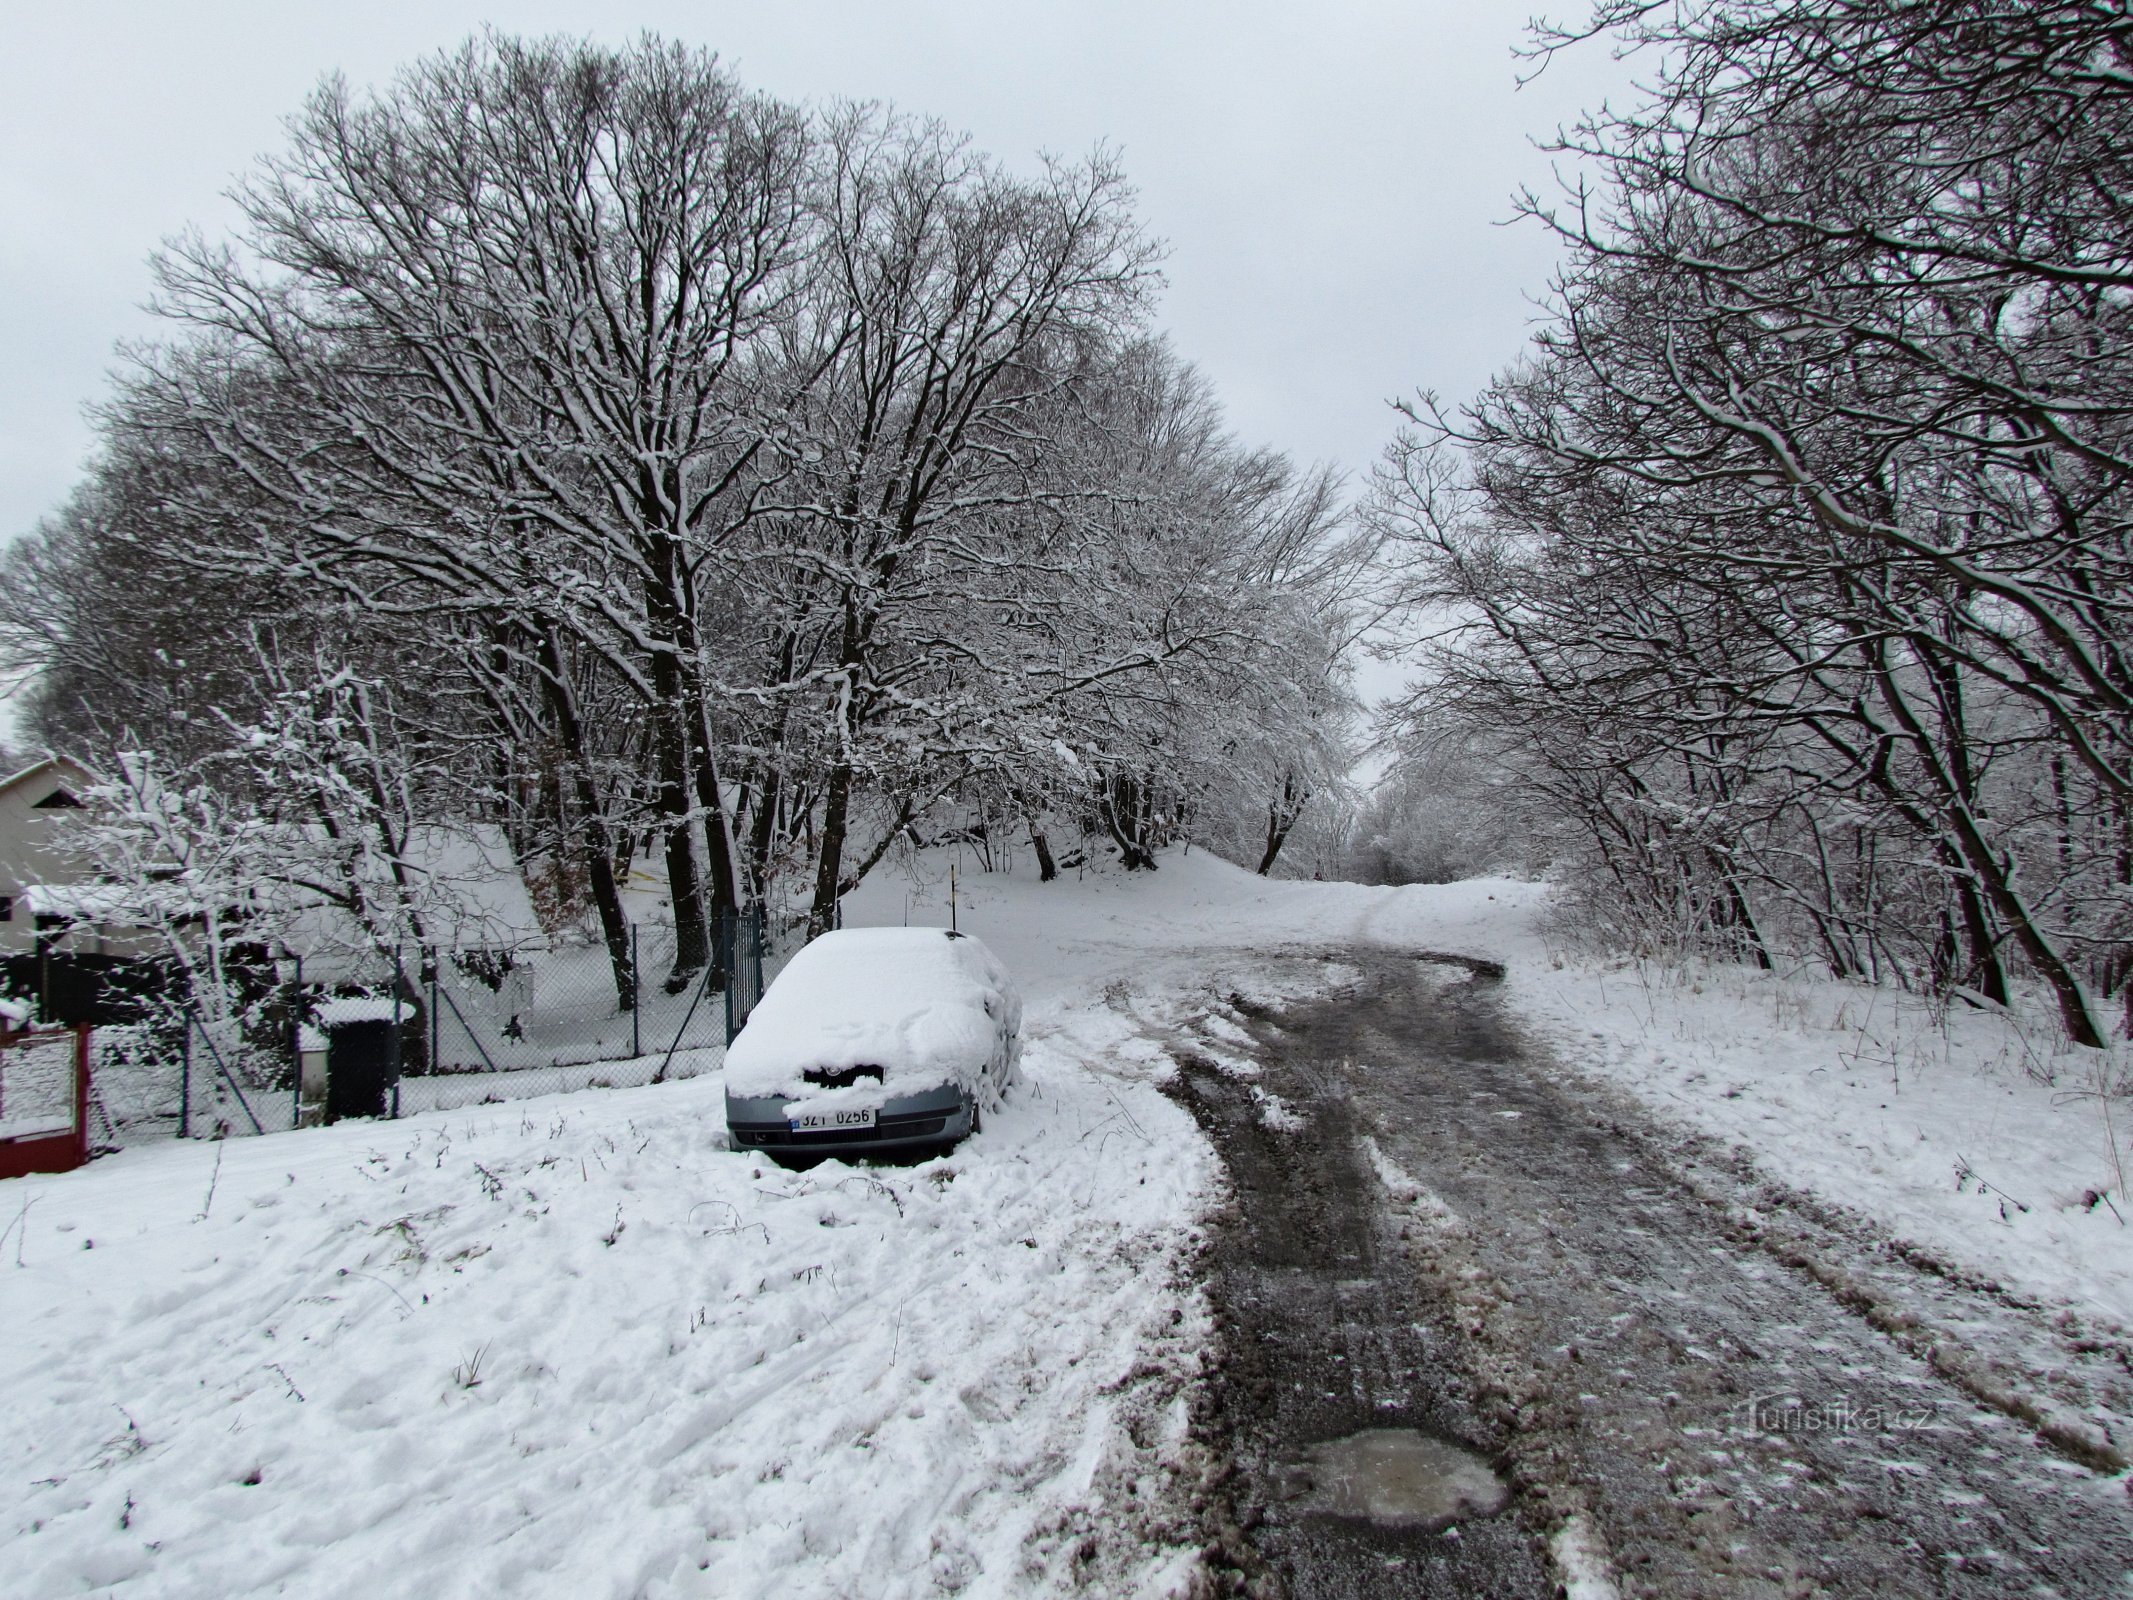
(576, 1346)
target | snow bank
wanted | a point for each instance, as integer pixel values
(576, 1347)
(579, 1347)
(1977, 1136)
(926, 1006)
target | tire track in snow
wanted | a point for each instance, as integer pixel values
(1621, 1335)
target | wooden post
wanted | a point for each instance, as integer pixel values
(81, 1095)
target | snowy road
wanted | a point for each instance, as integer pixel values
(1692, 1387)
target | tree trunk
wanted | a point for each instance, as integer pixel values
(1047, 869)
(1119, 801)
(1989, 876)
(771, 790)
(829, 866)
(1277, 835)
(711, 801)
(1737, 914)
(837, 792)
(763, 828)
(692, 945)
(595, 837)
(718, 827)
(1985, 970)
(1280, 818)
(673, 722)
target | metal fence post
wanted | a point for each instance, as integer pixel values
(296, 1045)
(636, 999)
(722, 946)
(703, 985)
(436, 1040)
(185, 1079)
(229, 1080)
(399, 979)
(730, 951)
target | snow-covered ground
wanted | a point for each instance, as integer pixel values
(1979, 1136)
(1975, 1135)
(577, 1346)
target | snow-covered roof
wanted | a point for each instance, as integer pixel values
(65, 764)
(924, 1005)
(359, 1008)
(464, 883)
(488, 903)
(79, 902)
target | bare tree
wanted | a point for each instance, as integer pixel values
(766, 487)
(953, 303)
(522, 292)
(1803, 529)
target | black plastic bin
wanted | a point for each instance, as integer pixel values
(362, 1066)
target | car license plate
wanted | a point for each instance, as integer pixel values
(832, 1121)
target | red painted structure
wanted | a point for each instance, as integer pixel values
(65, 1149)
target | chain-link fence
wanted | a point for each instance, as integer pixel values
(581, 1018)
(176, 1074)
(447, 1029)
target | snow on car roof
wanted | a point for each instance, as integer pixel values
(923, 1004)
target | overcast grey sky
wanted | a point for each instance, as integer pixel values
(1330, 176)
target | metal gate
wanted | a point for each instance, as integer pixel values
(44, 1100)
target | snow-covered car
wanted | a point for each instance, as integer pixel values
(874, 1041)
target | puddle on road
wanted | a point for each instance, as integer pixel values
(1399, 1478)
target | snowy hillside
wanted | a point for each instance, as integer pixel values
(576, 1346)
